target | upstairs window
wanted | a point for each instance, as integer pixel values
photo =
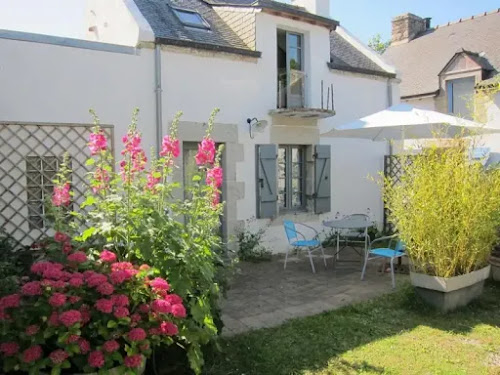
(460, 96)
(191, 19)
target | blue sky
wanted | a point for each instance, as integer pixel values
(363, 18)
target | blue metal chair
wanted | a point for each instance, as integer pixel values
(385, 252)
(298, 240)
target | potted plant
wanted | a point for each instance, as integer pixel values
(495, 262)
(445, 208)
(88, 313)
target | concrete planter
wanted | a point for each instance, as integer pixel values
(495, 267)
(447, 294)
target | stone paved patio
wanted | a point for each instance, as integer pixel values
(265, 295)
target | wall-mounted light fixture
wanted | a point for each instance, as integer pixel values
(255, 123)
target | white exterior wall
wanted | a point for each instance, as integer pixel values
(55, 84)
(67, 81)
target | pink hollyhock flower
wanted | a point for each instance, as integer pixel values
(111, 346)
(133, 361)
(10, 301)
(76, 282)
(84, 346)
(168, 328)
(152, 180)
(161, 306)
(206, 152)
(59, 237)
(96, 279)
(53, 319)
(159, 284)
(32, 330)
(32, 288)
(170, 146)
(107, 256)
(32, 354)
(104, 305)
(58, 356)
(96, 359)
(105, 289)
(57, 300)
(70, 317)
(61, 196)
(215, 199)
(77, 257)
(173, 299)
(120, 300)
(97, 142)
(9, 349)
(121, 312)
(101, 177)
(66, 248)
(179, 311)
(136, 334)
(214, 177)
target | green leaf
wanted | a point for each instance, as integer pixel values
(111, 324)
(90, 161)
(55, 371)
(88, 233)
(196, 178)
(90, 200)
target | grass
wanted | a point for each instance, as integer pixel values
(393, 334)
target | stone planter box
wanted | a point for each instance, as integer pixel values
(495, 267)
(447, 294)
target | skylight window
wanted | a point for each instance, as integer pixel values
(191, 19)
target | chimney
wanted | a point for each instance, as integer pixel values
(407, 26)
(318, 7)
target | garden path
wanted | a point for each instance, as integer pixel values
(265, 295)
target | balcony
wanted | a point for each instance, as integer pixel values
(291, 98)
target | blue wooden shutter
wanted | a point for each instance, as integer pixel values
(322, 185)
(267, 195)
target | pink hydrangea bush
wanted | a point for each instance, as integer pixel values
(87, 313)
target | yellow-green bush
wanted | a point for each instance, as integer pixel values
(446, 209)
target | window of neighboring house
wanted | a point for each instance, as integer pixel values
(191, 18)
(40, 171)
(291, 177)
(460, 96)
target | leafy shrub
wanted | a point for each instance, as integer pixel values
(249, 245)
(446, 209)
(88, 313)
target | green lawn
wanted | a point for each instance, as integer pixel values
(394, 334)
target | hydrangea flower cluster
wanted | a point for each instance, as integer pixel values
(85, 310)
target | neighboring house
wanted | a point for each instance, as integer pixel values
(442, 67)
(266, 61)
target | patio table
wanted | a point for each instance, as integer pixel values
(348, 223)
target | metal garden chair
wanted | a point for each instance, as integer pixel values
(298, 240)
(353, 236)
(385, 252)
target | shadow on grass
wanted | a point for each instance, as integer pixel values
(310, 344)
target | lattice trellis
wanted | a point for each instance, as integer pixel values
(394, 169)
(30, 154)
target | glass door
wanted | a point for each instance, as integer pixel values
(295, 70)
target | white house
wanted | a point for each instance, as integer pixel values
(290, 69)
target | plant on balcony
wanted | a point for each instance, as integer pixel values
(446, 210)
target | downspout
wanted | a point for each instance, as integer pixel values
(158, 92)
(389, 104)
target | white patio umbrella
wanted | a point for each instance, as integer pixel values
(403, 121)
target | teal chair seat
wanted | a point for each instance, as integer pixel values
(306, 243)
(386, 252)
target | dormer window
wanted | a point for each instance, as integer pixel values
(191, 19)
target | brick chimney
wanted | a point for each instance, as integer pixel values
(406, 27)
